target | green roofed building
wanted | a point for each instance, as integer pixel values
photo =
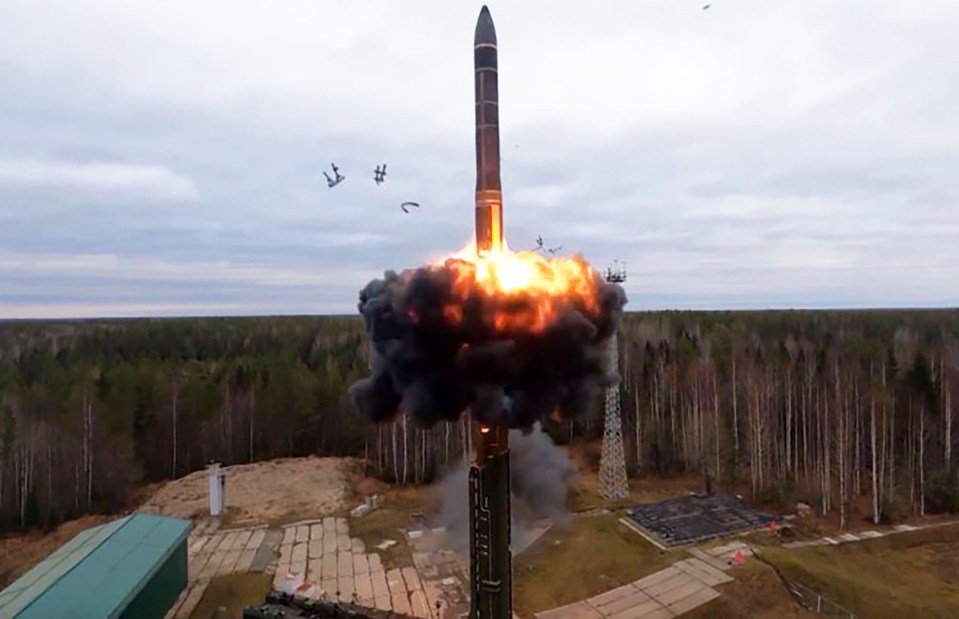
(132, 568)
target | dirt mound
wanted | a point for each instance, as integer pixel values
(19, 554)
(262, 492)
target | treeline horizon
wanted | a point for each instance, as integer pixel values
(826, 406)
(353, 316)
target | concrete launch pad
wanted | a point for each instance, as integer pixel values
(694, 518)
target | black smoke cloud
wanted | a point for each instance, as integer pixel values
(435, 368)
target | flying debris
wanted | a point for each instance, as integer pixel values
(379, 174)
(541, 247)
(406, 204)
(707, 6)
(333, 182)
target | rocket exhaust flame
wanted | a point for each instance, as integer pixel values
(459, 336)
(532, 290)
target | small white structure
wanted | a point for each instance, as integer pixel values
(371, 503)
(360, 510)
(217, 488)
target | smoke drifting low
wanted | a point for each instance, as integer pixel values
(442, 347)
(539, 476)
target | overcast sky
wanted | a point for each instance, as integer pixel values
(166, 157)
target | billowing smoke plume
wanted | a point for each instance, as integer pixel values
(435, 367)
(539, 482)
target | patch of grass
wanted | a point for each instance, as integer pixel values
(757, 592)
(653, 488)
(584, 500)
(291, 517)
(233, 518)
(390, 521)
(234, 592)
(583, 559)
(648, 489)
(903, 575)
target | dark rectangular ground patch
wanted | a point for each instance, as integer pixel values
(267, 550)
(695, 518)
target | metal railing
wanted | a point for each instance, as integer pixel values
(806, 597)
(814, 602)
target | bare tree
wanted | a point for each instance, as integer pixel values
(175, 387)
(872, 435)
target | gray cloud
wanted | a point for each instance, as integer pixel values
(166, 156)
(97, 177)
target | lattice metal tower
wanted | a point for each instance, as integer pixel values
(612, 463)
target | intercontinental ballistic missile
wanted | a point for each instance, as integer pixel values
(491, 595)
(489, 192)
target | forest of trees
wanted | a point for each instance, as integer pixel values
(835, 408)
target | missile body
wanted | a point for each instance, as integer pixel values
(489, 192)
(490, 558)
(491, 588)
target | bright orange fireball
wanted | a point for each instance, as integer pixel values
(525, 290)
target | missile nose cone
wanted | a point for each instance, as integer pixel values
(485, 31)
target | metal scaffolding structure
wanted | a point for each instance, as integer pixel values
(612, 464)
